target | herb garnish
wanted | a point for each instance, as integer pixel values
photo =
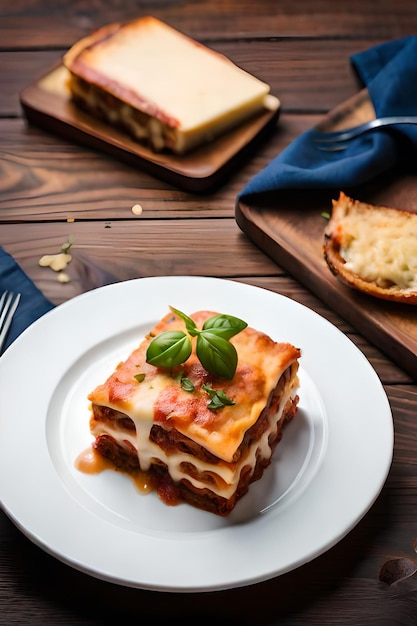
(187, 385)
(213, 348)
(66, 247)
(218, 398)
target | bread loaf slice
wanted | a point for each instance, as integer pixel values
(373, 249)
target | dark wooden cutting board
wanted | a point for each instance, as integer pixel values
(47, 103)
(289, 227)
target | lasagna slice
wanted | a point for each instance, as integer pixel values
(144, 420)
(162, 87)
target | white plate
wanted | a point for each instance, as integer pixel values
(327, 471)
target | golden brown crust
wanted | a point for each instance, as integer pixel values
(80, 61)
(332, 250)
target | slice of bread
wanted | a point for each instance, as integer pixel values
(373, 249)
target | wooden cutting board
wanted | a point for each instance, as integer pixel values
(47, 103)
(289, 227)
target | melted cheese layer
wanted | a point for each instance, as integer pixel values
(220, 478)
(381, 246)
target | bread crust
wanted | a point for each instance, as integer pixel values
(333, 234)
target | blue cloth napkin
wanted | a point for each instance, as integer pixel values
(389, 71)
(32, 303)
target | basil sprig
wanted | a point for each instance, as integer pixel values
(213, 348)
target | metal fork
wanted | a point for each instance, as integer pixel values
(338, 140)
(8, 305)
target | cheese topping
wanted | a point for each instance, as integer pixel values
(381, 248)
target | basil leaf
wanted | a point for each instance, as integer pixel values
(217, 355)
(213, 348)
(189, 323)
(169, 349)
(225, 326)
(218, 398)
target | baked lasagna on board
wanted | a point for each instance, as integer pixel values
(199, 438)
(165, 89)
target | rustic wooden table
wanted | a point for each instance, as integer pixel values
(51, 188)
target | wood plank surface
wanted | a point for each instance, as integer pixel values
(52, 187)
(52, 178)
(121, 250)
(25, 25)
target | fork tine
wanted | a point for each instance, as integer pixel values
(341, 136)
(4, 306)
(8, 305)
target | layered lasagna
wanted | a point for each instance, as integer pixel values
(162, 87)
(144, 419)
